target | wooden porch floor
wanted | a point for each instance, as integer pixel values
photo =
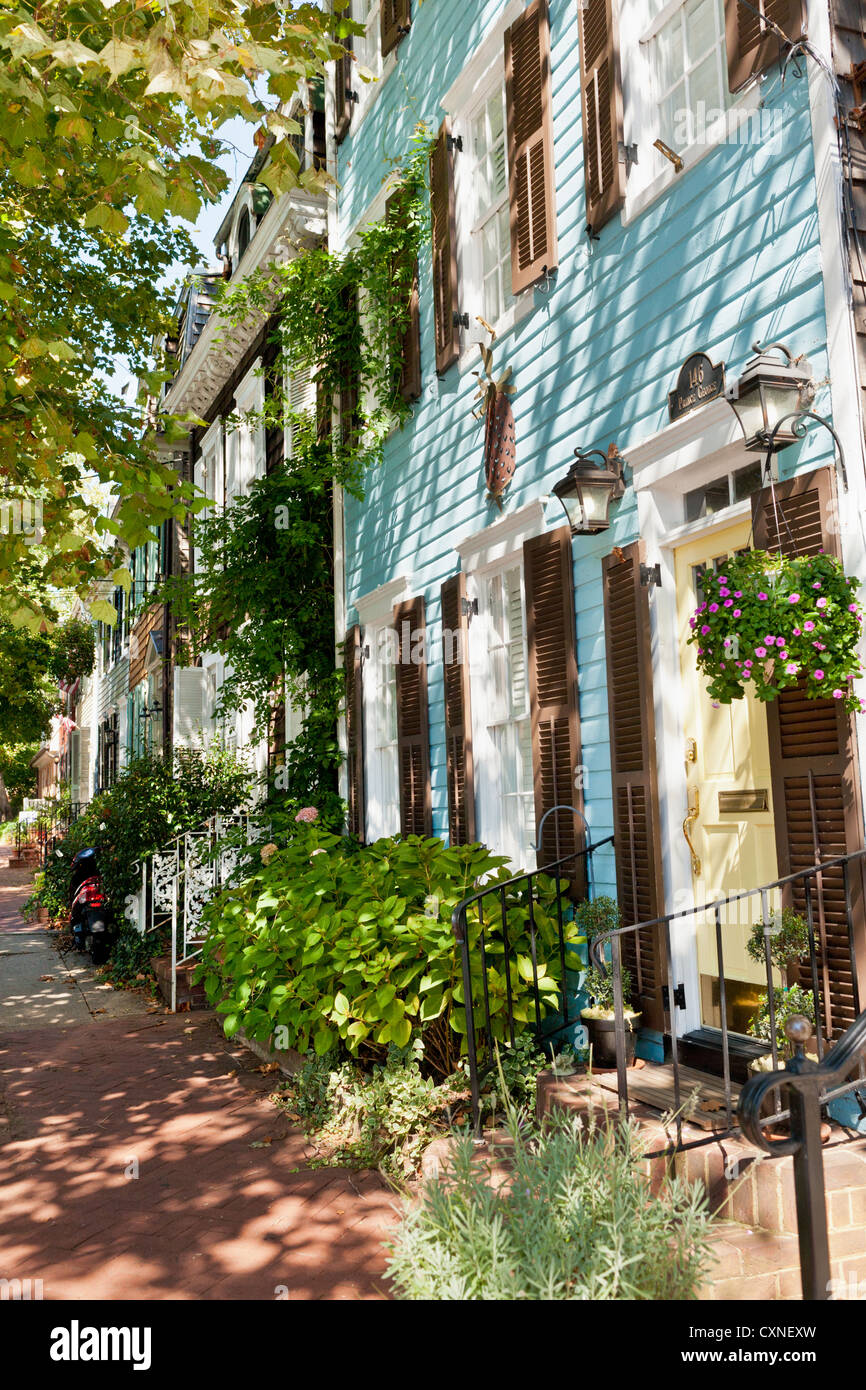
(702, 1097)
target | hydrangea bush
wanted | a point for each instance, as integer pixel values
(777, 622)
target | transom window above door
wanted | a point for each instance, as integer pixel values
(724, 491)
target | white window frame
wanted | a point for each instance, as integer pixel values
(379, 70)
(462, 101)
(247, 441)
(498, 824)
(376, 614)
(208, 474)
(653, 174)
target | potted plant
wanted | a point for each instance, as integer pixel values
(600, 1019)
(779, 621)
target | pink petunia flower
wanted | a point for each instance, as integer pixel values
(705, 629)
(793, 598)
(852, 608)
(761, 651)
(791, 668)
(723, 593)
(817, 584)
(821, 603)
(762, 597)
(837, 694)
(809, 626)
(738, 593)
(818, 674)
(729, 603)
(714, 608)
(737, 612)
(797, 632)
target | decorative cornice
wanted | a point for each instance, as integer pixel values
(292, 224)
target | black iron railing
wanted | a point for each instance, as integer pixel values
(809, 1085)
(486, 925)
(824, 893)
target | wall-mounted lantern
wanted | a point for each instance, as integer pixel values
(771, 390)
(588, 489)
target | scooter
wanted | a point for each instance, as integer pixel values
(89, 917)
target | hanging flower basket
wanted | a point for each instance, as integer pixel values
(779, 622)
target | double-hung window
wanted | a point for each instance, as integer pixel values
(688, 61)
(502, 730)
(367, 50)
(490, 233)
(380, 732)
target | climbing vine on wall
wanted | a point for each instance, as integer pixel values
(263, 595)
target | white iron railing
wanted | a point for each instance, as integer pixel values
(178, 880)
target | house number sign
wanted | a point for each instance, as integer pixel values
(699, 381)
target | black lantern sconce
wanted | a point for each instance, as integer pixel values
(771, 389)
(771, 400)
(588, 489)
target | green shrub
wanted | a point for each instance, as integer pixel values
(338, 946)
(383, 1118)
(599, 986)
(787, 1002)
(154, 798)
(595, 916)
(575, 1220)
(789, 939)
(131, 956)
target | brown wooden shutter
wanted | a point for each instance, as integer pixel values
(395, 17)
(531, 185)
(601, 95)
(458, 722)
(752, 47)
(552, 648)
(410, 354)
(413, 741)
(444, 236)
(354, 731)
(344, 95)
(817, 811)
(637, 841)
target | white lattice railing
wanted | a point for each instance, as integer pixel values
(178, 880)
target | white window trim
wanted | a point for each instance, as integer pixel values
(641, 113)
(368, 92)
(461, 102)
(483, 549)
(377, 607)
(376, 611)
(488, 795)
(249, 440)
(379, 795)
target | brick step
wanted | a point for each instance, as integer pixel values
(751, 1264)
(744, 1185)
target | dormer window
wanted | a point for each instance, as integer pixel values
(243, 232)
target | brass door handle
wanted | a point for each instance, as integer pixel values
(691, 816)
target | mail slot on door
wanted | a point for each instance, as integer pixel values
(739, 802)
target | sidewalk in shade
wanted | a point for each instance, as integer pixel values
(140, 1156)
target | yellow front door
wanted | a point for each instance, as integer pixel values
(730, 817)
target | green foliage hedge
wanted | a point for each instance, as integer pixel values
(332, 946)
(154, 798)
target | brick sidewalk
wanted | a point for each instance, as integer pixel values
(209, 1215)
